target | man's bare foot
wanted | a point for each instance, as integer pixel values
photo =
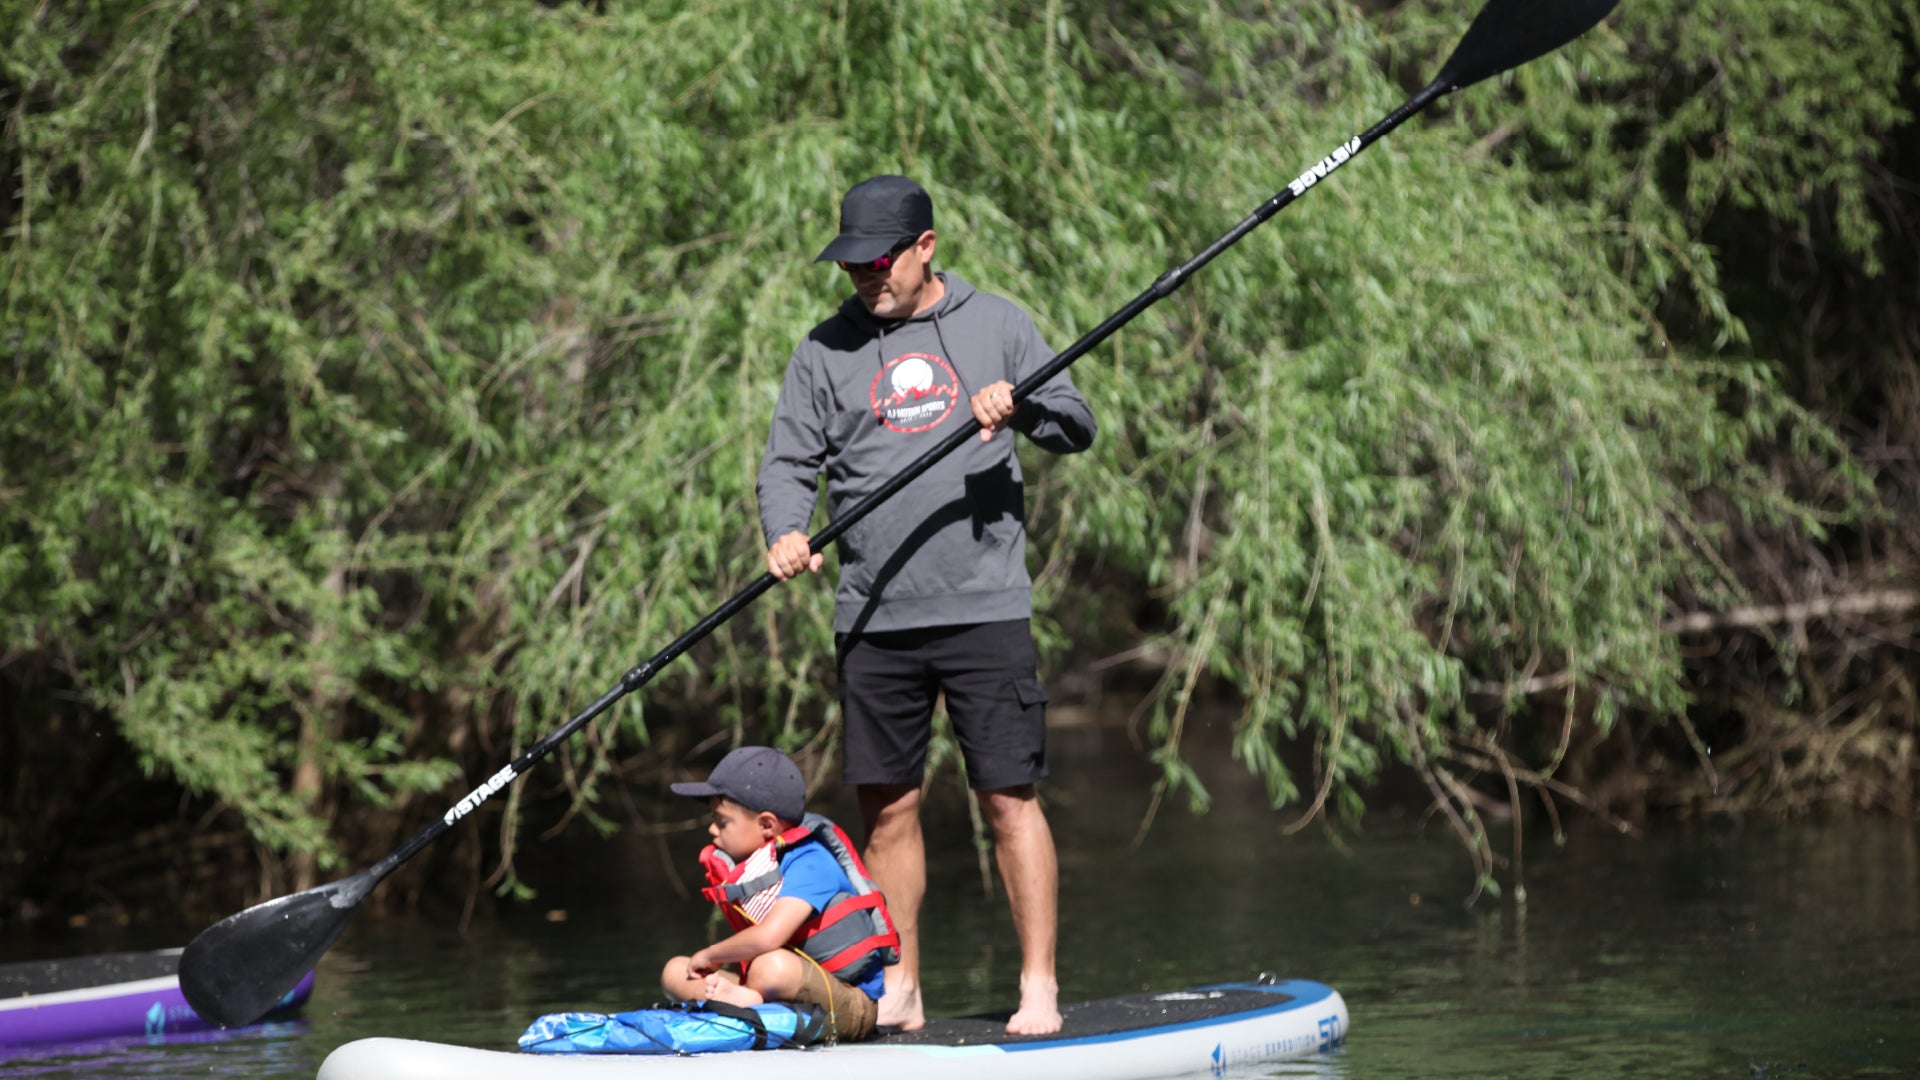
(732, 993)
(900, 1008)
(1039, 1008)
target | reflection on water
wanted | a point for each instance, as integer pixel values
(1700, 951)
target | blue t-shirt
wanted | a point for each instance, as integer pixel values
(809, 872)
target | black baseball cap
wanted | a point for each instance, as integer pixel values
(758, 778)
(877, 214)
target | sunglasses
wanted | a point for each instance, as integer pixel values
(882, 263)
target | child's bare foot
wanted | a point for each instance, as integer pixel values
(1039, 1008)
(732, 993)
(900, 1008)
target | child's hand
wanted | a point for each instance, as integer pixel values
(700, 964)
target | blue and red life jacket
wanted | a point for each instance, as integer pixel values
(851, 937)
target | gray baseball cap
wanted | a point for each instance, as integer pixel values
(758, 778)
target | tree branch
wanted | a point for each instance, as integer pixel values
(1865, 603)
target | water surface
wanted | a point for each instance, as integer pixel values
(1707, 950)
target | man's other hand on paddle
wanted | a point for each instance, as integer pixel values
(790, 554)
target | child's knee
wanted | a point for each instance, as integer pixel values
(776, 975)
(673, 977)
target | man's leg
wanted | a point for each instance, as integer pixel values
(896, 857)
(1023, 845)
(999, 712)
(886, 700)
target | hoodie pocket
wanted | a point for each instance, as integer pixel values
(997, 504)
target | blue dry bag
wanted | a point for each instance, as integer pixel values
(696, 1027)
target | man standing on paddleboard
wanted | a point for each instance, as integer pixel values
(934, 596)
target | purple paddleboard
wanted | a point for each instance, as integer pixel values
(97, 997)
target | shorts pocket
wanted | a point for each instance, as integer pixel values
(1030, 692)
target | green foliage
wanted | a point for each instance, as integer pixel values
(1673, 112)
(382, 374)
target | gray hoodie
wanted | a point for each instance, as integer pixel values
(862, 399)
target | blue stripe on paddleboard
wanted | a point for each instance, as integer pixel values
(1303, 994)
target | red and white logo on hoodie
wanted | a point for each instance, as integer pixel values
(915, 392)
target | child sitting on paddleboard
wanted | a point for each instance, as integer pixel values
(809, 925)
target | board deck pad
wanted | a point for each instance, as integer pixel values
(1091, 1019)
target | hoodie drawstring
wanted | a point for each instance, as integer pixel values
(947, 350)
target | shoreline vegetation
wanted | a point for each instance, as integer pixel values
(385, 380)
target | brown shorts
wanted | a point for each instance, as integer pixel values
(850, 1012)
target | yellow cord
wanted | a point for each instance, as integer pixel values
(833, 1017)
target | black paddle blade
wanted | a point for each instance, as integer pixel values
(1508, 33)
(239, 968)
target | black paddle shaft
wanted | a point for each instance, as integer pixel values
(1162, 286)
(1505, 34)
(236, 970)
